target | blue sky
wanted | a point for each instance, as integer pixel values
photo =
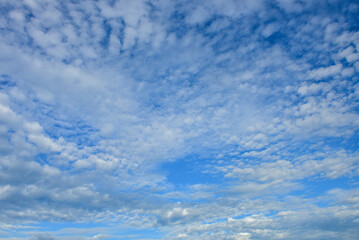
(229, 120)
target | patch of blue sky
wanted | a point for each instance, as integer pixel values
(13, 233)
(86, 229)
(190, 170)
(320, 186)
(106, 39)
(6, 81)
(349, 143)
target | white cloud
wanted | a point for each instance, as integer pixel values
(347, 72)
(198, 16)
(291, 5)
(325, 72)
(270, 29)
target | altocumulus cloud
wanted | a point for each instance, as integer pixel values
(179, 119)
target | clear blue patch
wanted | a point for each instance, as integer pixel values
(90, 230)
(189, 171)
(6, 81)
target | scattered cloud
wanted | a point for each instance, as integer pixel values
(179, 120)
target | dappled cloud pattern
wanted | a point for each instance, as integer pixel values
(170, 120)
